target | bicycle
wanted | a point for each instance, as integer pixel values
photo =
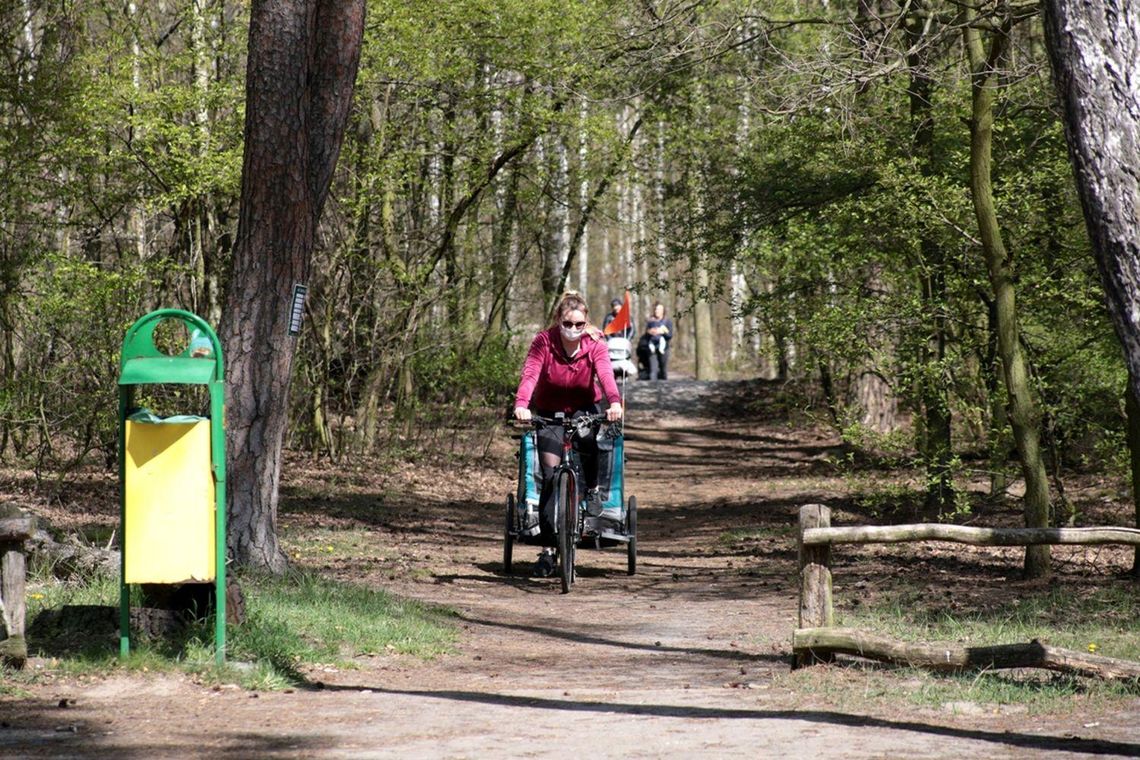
(571, 523)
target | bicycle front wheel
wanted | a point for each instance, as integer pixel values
(509, 534)
(567, 529)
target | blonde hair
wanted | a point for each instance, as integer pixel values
(571, 300)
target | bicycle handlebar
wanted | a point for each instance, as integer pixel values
(578, 424)
(589, 419)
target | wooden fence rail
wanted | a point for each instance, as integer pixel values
(816, 639)
(893, 534)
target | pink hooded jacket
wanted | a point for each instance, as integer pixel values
(553, 382)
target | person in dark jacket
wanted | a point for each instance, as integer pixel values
(659, 331)
(643, 357)
(615, 307)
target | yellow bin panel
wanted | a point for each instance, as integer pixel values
(169, 495)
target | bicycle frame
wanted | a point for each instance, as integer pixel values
(570, 466)
(569, 523)
(568, 518)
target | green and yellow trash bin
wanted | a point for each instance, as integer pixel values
(172, 469)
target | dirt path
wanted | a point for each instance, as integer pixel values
(687, 658)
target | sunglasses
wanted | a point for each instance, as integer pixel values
(568, 324)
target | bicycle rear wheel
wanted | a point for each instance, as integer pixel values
(567, 529)
(631, 529)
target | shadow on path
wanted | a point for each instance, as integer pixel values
(1010, 739)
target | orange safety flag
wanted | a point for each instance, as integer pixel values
(621, 319)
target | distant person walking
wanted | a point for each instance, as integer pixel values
(622, 332)
(659, 331)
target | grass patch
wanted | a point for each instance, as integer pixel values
(1093, 619)
(324, 544)
(1097, 619)
(303, 618)
(293, 622)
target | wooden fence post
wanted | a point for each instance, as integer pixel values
(15, 528)
(815, 578)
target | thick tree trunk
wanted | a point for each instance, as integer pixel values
(1132, 407)
(303, 57)
(1023, 414)
(1094, 46)
(876, 400)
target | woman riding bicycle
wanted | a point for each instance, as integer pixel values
(567, 370)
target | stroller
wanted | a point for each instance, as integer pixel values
(621, 357)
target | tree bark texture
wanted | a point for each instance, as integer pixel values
(876, 400)
(703, 333)
(1023, 413)
(1094, 47)
(303, 58)
(818, 643)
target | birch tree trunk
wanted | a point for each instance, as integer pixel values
(303, 57)
(202, 230)
(936, 440)
(137, 217)
(1023, 412)
(583, 247)
(661, 249)
(704, 337)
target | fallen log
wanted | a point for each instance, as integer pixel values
(820, 644)
(71, 559)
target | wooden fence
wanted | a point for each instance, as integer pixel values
(816, 638)
(15, 528)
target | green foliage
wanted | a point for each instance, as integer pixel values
(459, 374)
(781, 154)
(64, 403)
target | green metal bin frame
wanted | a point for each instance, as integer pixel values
(142, 363)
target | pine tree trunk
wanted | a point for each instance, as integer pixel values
(1094, 46)
(303, 56)
(1132, 407)
(1023, 413)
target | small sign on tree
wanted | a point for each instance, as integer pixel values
(297, 312)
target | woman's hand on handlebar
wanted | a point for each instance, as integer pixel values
(613, 414)
(522, 414)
